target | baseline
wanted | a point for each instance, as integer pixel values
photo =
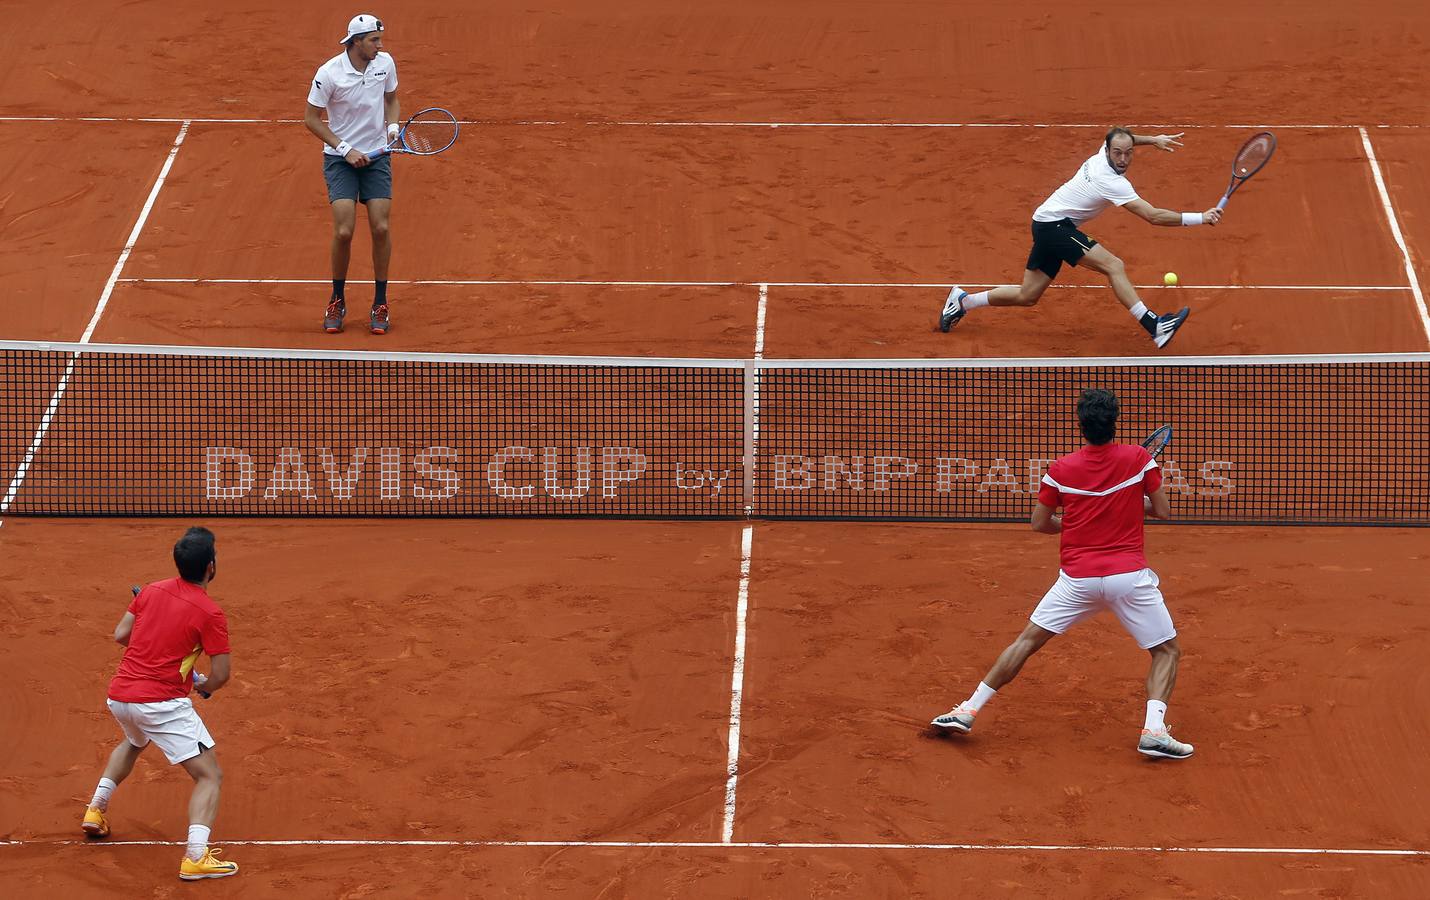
(775, 845)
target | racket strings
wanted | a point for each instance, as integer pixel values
(1158, 440)
(418, 139)
(430, 134)
(1254, 155)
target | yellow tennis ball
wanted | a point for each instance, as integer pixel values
(1170, 279)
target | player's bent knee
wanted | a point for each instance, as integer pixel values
(1168, 648)
(1035, 636)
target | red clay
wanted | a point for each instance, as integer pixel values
(545, 680)
(569, 680)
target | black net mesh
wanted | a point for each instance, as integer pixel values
(130, 431)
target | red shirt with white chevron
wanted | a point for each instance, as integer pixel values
(174, 621)
(1100, 489)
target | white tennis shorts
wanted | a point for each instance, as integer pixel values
(173, 725)
(1132, 596)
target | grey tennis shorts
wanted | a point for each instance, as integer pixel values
(372, 182)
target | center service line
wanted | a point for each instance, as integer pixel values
(737, 687)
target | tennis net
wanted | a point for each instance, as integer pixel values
(95, 430)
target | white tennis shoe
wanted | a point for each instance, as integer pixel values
(1161, 744)
(959, 719)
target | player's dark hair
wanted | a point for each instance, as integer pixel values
(193, 553)
(1114, 132)
(1097, 411)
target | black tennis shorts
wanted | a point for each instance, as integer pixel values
(1055, 243)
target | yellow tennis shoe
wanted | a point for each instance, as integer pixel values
(207, 866)
(95, 825)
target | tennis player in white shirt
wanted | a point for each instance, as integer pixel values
(1099, 183)
(358, 91)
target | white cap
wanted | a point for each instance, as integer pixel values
(361, 25)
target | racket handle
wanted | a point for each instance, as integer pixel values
(1221, 204)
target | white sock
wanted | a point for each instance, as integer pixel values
(1139, 310)
(101, 794)
(1156, 716)
(973, 301)
(198, 841)
(982, 695)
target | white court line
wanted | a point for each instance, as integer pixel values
(1395, 231)
(134, 234)
(37, 438)
(737, 687)
(580, 282)
(50, 411)
(771, 845)
(760, 321)
(733, 123)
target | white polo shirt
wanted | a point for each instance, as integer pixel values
(1095, 187)
(353, 99)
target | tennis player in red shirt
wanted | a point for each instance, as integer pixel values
(166, 627)
(1105, 489)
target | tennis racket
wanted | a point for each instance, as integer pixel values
(1158, 441)
(1254, 154)
(427, 133)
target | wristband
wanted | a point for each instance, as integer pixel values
(1192, 218)
(392, 129)
(343, 148)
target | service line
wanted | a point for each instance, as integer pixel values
(737, 686)
(940, 285)
(726, 123)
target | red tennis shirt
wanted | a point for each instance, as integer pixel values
(174, 621)
(1100, 489)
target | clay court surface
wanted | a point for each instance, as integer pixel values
(544, 708)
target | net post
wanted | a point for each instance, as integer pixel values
(751, 414)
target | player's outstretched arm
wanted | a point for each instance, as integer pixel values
(1144, 210)
(1167, 142)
